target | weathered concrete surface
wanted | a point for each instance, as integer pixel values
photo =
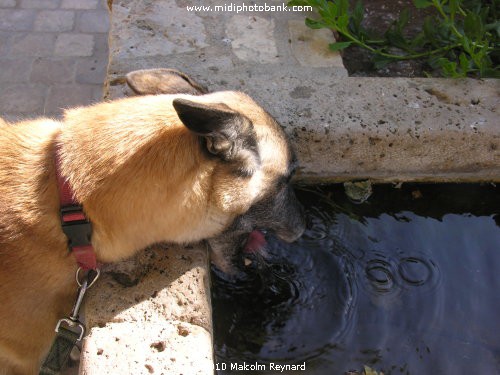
(170, 347)
(400, 130)
(151, 314)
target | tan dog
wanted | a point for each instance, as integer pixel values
(174, 168)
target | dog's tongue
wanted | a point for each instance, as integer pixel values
(255, 242)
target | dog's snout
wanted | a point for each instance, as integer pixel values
(294, 226)
(291, 236)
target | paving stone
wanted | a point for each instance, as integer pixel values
(53, 71)
(15, 70)
(101, 47)
(67, 96)
(91, 70)
(16, 19)
(40, 4)
(22, 98)
(96, 21)
(105, 4)
(74, 45)
(310, 47)
(252, 39)
(38, 45)
(54, 20)
(7, 3)
(98, 93)
(79, 4)
(5, 38)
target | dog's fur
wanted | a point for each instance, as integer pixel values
(174, 168)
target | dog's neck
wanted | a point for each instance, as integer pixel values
(140, 182)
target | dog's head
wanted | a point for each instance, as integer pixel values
(255, 162)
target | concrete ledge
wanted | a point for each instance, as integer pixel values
(148, 313)
(390, 130)
(170, 347)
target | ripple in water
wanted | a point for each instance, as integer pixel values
(275, 310)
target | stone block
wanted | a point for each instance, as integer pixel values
(7, 3)
(310, 47)
(98, 93)
(170, 347)
(36, 45)
(40, 4)
(22, 98)
(151, 314)
(101, 47)
(15, 70)
(5, 42)
(155, 286)
(93, 21)
(91, 70)
(167, 28)
(79, 4)
(54, 20)
(53, 71)
(16, 19)
(252, 39)
(66, 96)
(74, 45)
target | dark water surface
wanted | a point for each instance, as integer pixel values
(406, 283)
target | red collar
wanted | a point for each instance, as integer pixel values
(74, 222)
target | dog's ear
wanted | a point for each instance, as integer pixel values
(163, 81)
(227, 133)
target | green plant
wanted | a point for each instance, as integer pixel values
(461, 38)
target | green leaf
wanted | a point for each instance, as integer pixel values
(473, 26)
(343, 7)
(395, 38)
(464, 63)
(494, 26)
(357, 17)
(329, 11)
(403, 19)
(420, 4)
(453, 7)
(314, 24)
(339, 46)
(449, 68)
(342, 22)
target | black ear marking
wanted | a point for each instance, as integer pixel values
(203, 118)
(227, 133)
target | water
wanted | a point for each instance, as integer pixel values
(406, 283)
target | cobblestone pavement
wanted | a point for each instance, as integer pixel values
(53, 55)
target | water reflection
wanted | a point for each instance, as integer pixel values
(403, 284)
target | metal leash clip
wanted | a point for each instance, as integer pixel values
(73, 320)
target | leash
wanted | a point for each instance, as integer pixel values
(70, 330)
(78, 230)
